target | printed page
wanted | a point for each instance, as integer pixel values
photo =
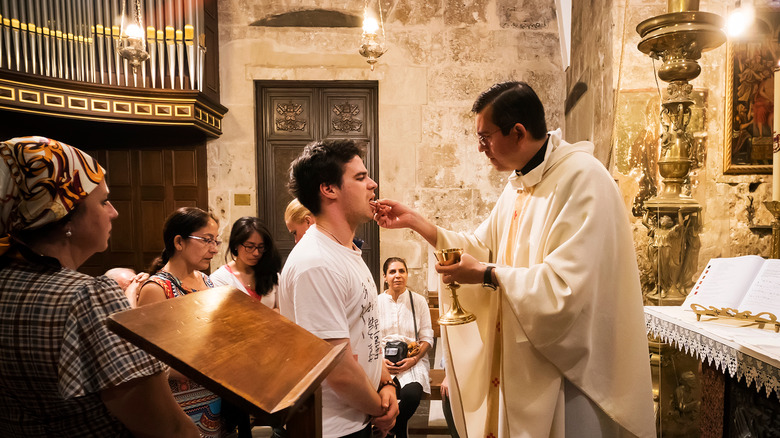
(724, 282)
(764, 293)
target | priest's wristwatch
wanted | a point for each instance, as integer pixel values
(487, 280)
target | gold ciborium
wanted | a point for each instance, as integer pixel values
(456, 315)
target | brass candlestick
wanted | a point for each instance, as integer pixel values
(455, 315)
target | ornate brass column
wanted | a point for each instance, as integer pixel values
(678, 39)
(673, 217)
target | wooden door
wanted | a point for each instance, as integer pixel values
(291, 114)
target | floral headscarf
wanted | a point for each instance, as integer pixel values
(41, 181)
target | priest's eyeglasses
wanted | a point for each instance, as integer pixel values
(250, 248)
(207, 240)
(484, 139)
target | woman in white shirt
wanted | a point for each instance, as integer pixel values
(254, 270)
(255, 265)
(400, 321)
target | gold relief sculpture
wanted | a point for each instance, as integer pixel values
(673, 253)
(638, 140)
(289, 120)
(346, 118)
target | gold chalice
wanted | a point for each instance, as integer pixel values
(456, 315)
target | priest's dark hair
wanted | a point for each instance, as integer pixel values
(269, 266)
(321, 162)
(513, 102)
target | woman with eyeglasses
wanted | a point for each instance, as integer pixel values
(256, 263)
(254, 270)
(190, 238)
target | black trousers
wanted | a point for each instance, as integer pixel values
(409, 398)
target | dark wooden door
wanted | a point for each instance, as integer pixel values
(146, 185)
(291, 114)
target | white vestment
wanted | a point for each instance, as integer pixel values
(569, 306)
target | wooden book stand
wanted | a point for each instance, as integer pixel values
(239, 349)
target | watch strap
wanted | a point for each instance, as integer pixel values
(487, 280)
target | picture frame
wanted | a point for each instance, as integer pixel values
(749, 97)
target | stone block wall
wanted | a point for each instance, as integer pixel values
(441, 55)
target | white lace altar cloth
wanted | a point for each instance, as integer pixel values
(741, 348)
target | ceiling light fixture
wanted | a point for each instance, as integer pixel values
(372, 44)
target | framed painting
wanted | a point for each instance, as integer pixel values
(750, 97)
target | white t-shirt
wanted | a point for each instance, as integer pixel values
(225, 277)
(328, 290)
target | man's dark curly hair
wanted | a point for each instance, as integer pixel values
(321, 162)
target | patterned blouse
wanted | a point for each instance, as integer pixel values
(172, 286)
(201, 405)
(56, 353)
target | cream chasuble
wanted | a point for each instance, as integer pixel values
(569, 306)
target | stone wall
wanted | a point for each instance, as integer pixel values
(724, 198)
(441, 55)
(591, 64)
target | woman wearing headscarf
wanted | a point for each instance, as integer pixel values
(62, 372)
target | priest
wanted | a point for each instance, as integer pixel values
(559, 346)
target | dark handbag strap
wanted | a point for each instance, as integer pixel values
(414, 318)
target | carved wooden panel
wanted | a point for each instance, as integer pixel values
(290, 116)
(282, 157)
(329, 110)
(346, 116)
(145, 186)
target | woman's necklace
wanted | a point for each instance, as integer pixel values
(246, 278)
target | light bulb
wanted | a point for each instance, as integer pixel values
(739, 20)
(134, 31)
(370, 25)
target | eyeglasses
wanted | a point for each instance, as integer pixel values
(250, 248)
(483, 138)
(207, 240)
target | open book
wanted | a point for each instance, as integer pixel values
(747, 283)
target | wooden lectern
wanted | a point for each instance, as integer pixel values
(241, 350)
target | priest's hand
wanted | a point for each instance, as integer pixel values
(468, 271)
(392, 214)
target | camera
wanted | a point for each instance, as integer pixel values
(396, 351)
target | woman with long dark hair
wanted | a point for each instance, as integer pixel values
(256, 263)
